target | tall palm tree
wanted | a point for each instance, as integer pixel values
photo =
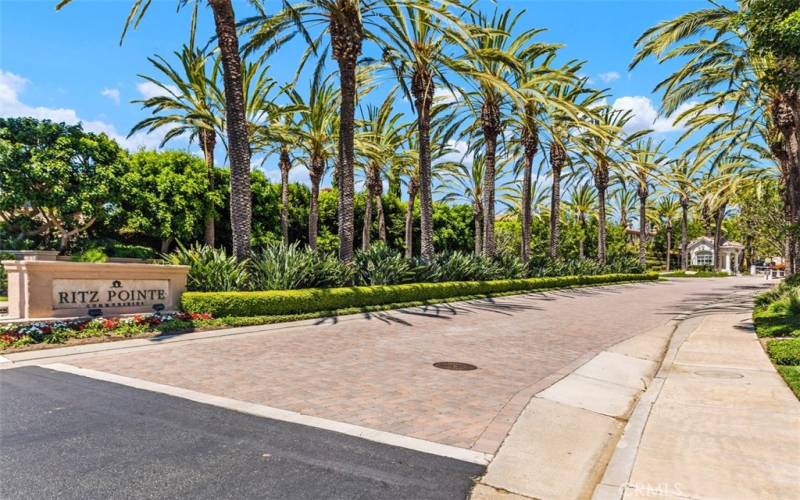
(491, 55)
(415, 46)
(563, 127)
(667, 211)
(530, 117)
(602, 154)
(316, 133)
(238, 143)
(647, 158)
(582, 203)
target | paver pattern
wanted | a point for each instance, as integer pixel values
(376, 371)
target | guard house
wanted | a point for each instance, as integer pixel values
(701, 253)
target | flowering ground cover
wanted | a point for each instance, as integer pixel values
(58, 332)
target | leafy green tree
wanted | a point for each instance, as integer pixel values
(160, 193)
(58, 176)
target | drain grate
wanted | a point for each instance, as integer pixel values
(455, 365)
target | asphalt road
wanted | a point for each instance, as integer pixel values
(67, 436)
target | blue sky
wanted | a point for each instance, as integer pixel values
(69, 65)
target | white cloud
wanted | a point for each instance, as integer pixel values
(645, 115)
(445, 96)
(150, 89)
(609, 76)
(112, 94)
(12, 85)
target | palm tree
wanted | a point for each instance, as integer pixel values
(726, 86)
(602, 154)
(238, 144)
(682, 180)
(530, 117)
(646, 159)
(582, 203)
(491, 57)
(667, 211)
(563, 125)
(414, 48)
(379, 143)
(316, 132)
(187, 105)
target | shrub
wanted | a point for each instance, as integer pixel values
(380, 265)
(211, 269)
(130, 251)
(330, 299)
(281, 267)
(785, 352)
(455, 266)
(91, 255)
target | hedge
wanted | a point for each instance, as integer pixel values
(275, 302)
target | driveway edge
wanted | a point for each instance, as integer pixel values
(562, 441)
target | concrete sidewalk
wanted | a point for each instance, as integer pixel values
(717, 423)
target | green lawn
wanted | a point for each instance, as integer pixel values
(777, 320)
(791, 374)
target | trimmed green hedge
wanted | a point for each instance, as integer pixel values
(275, 302)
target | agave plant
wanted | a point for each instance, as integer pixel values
(282, 267)
(380, 265)
(211, 269)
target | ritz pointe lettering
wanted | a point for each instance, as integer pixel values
(108, 293)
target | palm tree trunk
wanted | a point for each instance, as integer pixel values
(582, 221)
(477, 218)
(643, 231)
(601, 184)
(525, 247)
(422, 87)
(669, 245)
(720, 215)
(313, 207)
(346, 37)
(684, 234)
(490, 122)
(409, 224)
(381, 218)
(236, 122)
(557, 159)
(284, 166)
(208, 141)
(367, 228)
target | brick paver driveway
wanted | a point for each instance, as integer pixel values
(376, 370)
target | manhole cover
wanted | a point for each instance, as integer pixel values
(718, 374)
(455, 365)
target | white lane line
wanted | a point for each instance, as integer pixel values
(284, 415)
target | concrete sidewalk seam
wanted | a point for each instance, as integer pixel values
(284, 415)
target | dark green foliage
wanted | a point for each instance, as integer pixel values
(221, 304)
(91, 255)
(122, 250)
(774, 314)
(583, 267)
(458, 266)
(211, 268)
(380, 265)
(280, 267)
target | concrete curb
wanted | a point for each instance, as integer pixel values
(562, 441)
(284, 415)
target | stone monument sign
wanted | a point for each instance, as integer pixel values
(51, 289)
